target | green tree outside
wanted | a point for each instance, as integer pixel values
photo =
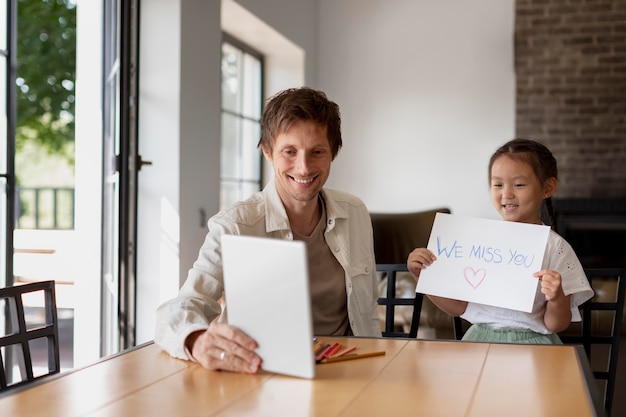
(46, 79)
(46, 72)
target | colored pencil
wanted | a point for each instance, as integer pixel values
(350, 357)
(326, 352)
(318, 352)
(342, 352)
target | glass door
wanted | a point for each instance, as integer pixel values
(110, 226)
(116, 273)
(7, 141)
(121, 163)
(7, 152)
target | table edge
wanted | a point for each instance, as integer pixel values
(49, 378)
(593, 393)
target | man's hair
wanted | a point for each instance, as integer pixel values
(303, 104)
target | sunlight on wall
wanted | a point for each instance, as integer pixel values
(88, 181)
(284, 60)
(168, 254)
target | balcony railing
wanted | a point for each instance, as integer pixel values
(50, 208)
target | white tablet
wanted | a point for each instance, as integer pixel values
(266, 285)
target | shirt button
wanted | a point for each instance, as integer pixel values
(330, 221)
(289, 236)
(337, 249)
(367, 269)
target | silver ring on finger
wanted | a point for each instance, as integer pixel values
(222, 354)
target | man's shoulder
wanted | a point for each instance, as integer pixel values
(343, 204)
(248, 211)
(340, 196)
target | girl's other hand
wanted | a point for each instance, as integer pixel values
(551, 285)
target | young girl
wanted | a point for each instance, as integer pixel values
(523, 178)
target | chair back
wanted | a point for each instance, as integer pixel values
(600, 330)
(391, 300)
(397, 234)
(459, 327)
(20, 334)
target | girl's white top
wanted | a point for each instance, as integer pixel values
(560, 257)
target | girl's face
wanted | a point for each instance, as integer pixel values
(516, 192)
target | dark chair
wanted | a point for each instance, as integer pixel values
(395, 236)
(22, 335)
(459, 327)
(391, 301)
(600, 330)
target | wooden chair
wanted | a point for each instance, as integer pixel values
(20, 334)
(601, 327)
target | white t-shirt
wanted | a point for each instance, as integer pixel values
(560, 257)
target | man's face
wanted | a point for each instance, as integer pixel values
(301, 157)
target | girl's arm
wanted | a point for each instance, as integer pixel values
(558, 314)
(448, 305)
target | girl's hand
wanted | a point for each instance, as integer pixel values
(558, 314)
(551, 285)
(419, 259)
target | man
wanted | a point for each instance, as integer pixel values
(300, 137)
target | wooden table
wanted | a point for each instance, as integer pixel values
(413, 378)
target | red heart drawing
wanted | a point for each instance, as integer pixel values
(474, 278)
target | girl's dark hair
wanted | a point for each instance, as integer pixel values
(295, 104)
(538, 156)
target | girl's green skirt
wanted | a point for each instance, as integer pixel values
(483, 333)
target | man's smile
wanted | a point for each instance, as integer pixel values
(303, 181)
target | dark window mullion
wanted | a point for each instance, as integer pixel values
(236, 184)
(10, 54)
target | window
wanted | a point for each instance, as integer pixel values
(242, 75)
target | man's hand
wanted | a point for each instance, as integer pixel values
(224, 347)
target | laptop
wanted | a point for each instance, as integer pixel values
(266, 283)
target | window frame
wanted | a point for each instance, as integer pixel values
(238, 181)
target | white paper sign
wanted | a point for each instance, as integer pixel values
(484, 261)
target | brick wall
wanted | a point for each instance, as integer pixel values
(570, 58)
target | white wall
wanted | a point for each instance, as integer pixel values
(86, 242)
(297, 22)
(179, 131)
(427, 91)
